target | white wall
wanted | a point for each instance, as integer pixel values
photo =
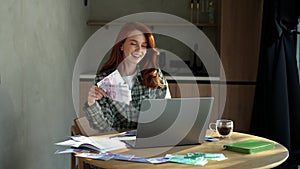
(39, 43)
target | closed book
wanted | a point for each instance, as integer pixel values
(250, 146)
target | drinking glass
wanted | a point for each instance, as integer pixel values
(223, 127)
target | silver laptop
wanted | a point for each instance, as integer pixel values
(170, 122)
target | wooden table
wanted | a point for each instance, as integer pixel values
(265, 159)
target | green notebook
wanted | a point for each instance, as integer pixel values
(249, 146)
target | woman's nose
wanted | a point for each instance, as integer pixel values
(138, 48)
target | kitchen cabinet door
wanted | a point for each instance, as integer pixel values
(238, 105)
(183, 90)
(240, 38)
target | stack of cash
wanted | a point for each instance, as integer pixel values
(115, 87)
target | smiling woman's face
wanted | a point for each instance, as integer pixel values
(134, 47)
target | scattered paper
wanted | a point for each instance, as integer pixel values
(211, 139)
(95, 156)
(185, 159)
(106, 144)
(108, 156)
(71, 150)
(139, 159)
(124, 157)
(101, 144)
(122, 138)
(158, 160)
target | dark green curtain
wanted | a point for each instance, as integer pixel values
(276, 109)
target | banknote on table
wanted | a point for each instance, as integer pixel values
(184, 159)
(115, 87)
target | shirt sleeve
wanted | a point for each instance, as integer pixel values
(96, 117)
(99, 117)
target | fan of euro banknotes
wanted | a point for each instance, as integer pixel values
(115, 87)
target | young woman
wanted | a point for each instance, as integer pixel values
(135, 57)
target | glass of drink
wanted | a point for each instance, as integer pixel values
(223, 127)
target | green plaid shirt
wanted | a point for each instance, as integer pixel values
(107, 114)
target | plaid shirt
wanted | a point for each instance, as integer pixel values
(107, 114)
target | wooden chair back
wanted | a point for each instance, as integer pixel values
(82, 124)
(81, 127)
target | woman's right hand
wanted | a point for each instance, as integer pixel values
(95, 93)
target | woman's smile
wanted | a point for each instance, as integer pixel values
(137, 54)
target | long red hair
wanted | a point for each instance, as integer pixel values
(148, 65)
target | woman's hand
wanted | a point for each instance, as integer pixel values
(95, 93)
